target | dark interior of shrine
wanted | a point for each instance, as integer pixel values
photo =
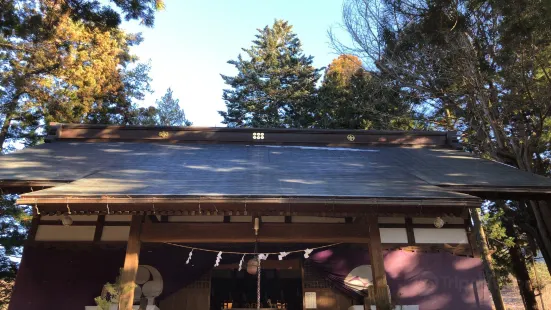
(279, 288)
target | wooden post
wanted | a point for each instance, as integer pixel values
(302, 283)
(472, 238)
(409, 231)
(131, 262)
(100, 223)
(381, 291)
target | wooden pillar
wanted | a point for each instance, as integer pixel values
(131, 262)
(471, 236)
(100, 223)
(380, 290)
(409, 231)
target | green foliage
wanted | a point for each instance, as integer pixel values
(109, 295)
(144, 116)
(119, 107)
(63, 61)
(479, 67)
(274, 86)
(350, 97)
(169, 112)
(499, 243)
(543, 275)
(14, 222)
(13, 225)
(67, 62)
(25, 18)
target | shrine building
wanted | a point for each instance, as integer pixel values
(231, 218)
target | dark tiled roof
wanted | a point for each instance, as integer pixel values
(157, 169)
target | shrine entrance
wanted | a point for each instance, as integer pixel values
(281, 286)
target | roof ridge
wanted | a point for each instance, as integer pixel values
(292, 136)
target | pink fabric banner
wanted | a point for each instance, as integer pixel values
(433, 281)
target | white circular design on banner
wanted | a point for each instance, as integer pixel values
(149, 283)
(359, 278)
(143, 275)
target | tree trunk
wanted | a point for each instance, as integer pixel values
(4, 130)
(520, 269)
(10, 112)
(491, 279)
(542, 213)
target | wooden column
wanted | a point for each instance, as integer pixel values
(409, 231)
(131, 262)
(380, 290)
(100, 223)
(471, 236)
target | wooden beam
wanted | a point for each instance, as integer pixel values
(243, 233)
(131, 262)
(380, 285)
(289, 264)
(87, 132)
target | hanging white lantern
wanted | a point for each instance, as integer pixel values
(439, 222)
(66, 220)
(252, 266)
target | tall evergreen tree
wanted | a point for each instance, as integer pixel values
(64, 61)
(274, 86)
(482, 68)
(169, 112)
(350, 97)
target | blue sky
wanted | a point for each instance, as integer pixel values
(193, 39)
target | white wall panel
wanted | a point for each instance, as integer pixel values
(65, 233)
(273, 219)
(115, 233)
(430, 220)
(241, 218)
(442, 235)
(393, 235)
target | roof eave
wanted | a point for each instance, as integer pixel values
(101, 201)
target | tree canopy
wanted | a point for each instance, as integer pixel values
(350, 97)
(63, 61)
(274, 84)
(169, 111)
(478, 67)
(67, 61)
